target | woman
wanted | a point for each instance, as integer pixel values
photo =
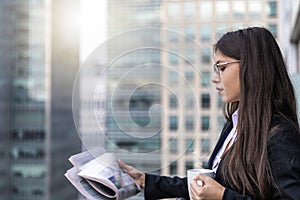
(258, 153)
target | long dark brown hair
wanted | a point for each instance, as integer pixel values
(266, 91)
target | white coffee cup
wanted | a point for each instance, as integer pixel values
(192, 173)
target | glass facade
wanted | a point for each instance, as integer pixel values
(133, 73)
(27, 132)
(239, 9)
(189, 145)
(33, 145)
(255, 9)
(173, 59)
(206, 10)
(173, 123)
(173, 101)
(189, 123)
(205, 145)
(205, 33)
(205, 121)
(173, 11)
(273, 29)
(189, 101)
(205, 101)
(205, 79)
(221, 9)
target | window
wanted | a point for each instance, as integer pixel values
(189, 145)
(173, 78)
(189, 165)
(239, 9)
(205, 33)
(173, 168)
(205, 55)
(189, 78)
(189, 10)
(222, 9)
(189, 101)
(255, 8)
(272, 9)
(205, 145)
(173, 34)
(206, 10)
(221, 29)
(173, 123)
(189, 122)
(173, 10)
(33, 171)
(205, 100)
(190, 33)
(273, 29)
(27, 153)
(28, 135)
(173, 101)
(205, 123)
(173, 58)
(205, 79)
(189, 56)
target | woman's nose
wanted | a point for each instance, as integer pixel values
(215, 78)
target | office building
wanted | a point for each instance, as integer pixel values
(290, 32)
(133, 77)
(39, 47)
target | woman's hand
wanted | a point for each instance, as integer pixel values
(210, 189)
(138, 176)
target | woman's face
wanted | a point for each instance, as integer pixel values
(227, 82)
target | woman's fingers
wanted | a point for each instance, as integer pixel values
(195, 190)
(122, 165)
(138, 176)
(205, 187)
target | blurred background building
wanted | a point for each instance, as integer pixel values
(133, 79)
(149, 92)
(39, 59)
(290, 30)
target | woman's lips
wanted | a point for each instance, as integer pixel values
(219, 90)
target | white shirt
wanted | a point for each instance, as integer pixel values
(231, 137)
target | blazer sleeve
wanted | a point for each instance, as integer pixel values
(284, 156)
(159, 187)
(233, 195)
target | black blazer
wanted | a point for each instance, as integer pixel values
(284, 156)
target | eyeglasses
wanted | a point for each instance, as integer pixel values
(221, 66)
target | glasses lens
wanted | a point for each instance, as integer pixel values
(216, 69)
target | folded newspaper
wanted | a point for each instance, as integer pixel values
(97, 175)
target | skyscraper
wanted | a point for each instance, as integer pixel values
(39, 41)
(290, 33)
(133, 77)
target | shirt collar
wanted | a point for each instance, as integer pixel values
(235, 117)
